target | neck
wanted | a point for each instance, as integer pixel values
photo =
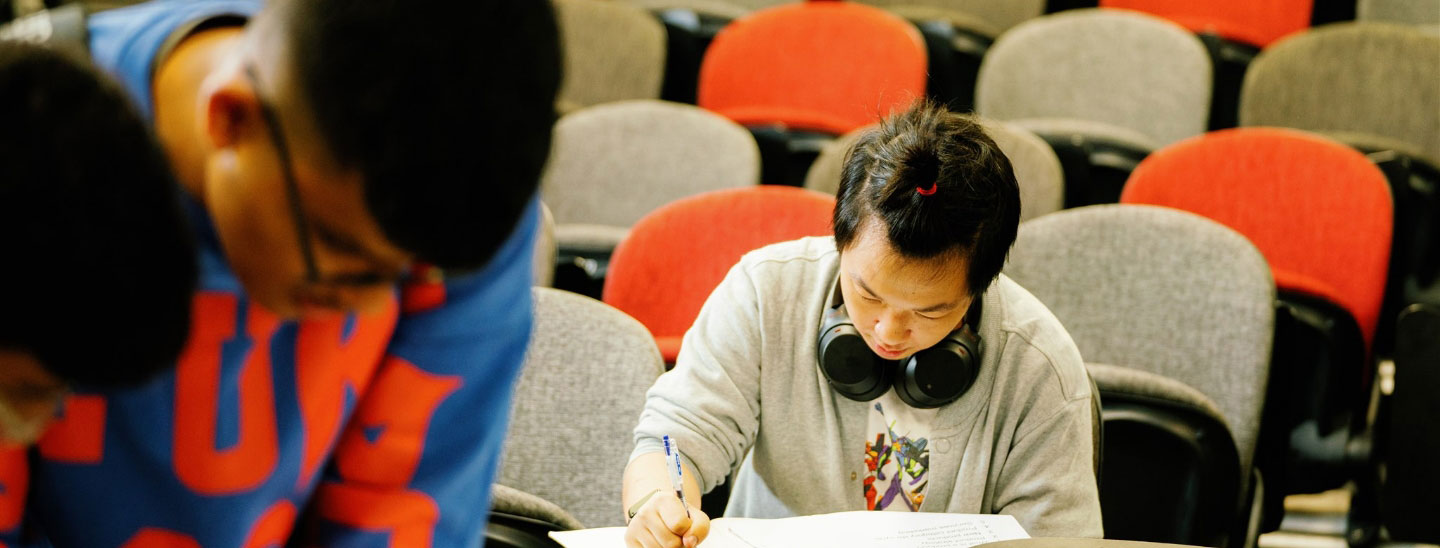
(176, 98)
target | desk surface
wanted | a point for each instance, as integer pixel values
(1077, 543)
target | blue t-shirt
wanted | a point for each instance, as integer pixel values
(374, 430)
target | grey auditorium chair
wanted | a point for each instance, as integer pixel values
(612, 164)
(1412, 12)
(1104, 87)
(1176, 296)
(612, 51)
(1037, 170)
(1376, 87)
(999, 15)
(580, 393)
(545, 250)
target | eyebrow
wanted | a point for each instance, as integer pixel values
(928, 309)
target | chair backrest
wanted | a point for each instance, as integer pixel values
(762, 4)
(1376, 79)
(1121, 68)
(545, 249)
(824, 66)
(1319, 211)
(1037, 170)
(580, 392)
(1413, 12)
(1159, 290)
(611, 50)
(1171, 469)
(1255, 22)
(1000, 14)
(673, 258)
(611, 164)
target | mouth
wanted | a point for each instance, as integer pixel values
(888, 352)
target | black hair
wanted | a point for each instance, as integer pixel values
(938, 184)
(100, 262)
(445, 107)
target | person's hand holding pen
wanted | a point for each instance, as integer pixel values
(656, 490)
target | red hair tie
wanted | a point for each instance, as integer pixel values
(928, 191)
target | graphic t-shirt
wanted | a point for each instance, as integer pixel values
(897, 455)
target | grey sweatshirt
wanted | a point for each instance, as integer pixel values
(746, 389)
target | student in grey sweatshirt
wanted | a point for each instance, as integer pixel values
(938, 385)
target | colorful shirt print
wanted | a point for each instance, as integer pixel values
(897, 456)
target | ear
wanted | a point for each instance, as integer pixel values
(229, 107)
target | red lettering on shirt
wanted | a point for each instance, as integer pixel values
(79, 437)
(409, 516)
(198, 464)
(385, 438)
(152, 537)
(15, 479)
(273, 528)
(325, 363)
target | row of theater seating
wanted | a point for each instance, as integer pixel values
(1104, 89)
(957, 33)
(1319, 211)
(1104, 86)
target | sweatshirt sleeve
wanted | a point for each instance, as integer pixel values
(1048, 479)
(710, 401)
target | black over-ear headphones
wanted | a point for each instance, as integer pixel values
(930, 378)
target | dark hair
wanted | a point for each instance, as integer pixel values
(100, 263)
(974, 208)
(445, 107)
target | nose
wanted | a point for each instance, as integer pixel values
(891, 329)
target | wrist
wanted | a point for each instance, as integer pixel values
(635, 508)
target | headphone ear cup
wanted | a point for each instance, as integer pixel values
(938, 375)
(847, 362)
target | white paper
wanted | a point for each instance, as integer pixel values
(838, 530)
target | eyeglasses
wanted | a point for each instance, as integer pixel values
(292, 188)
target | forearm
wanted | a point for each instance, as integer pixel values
(648, 473)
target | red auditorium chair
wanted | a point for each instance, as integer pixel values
(1255, 22)
(1321, 213)
(800, 74)
(674, 257)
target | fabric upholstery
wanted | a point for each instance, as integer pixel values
(762, 4)
(958, 19)
(674, 257)
(1126, 137)
(611, 51)
(1138, 383)
(613, 163)
(1318, 210)
(1255, 22)
(1162, 291)
(1414, 12)
(579, 395)
(514, 501)
(714, 8)
(1037, 170)
(1121, 68)
(999, 14)
(1375, 78)
(545, 249)
(822, 66)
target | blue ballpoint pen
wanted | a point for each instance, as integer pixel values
(672, 461)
